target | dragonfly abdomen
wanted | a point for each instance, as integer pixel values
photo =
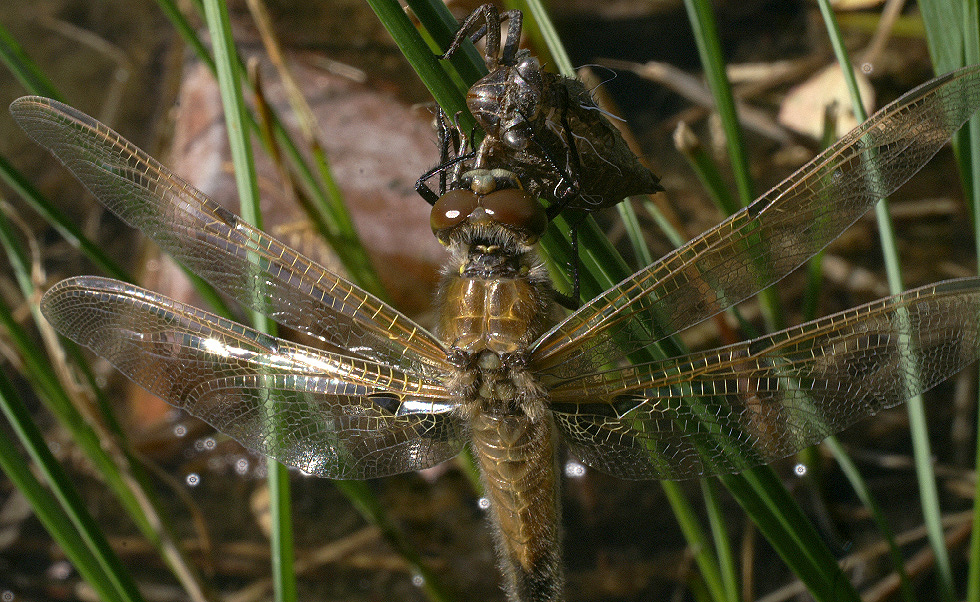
(516, 455)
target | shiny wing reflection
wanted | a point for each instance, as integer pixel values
(771, 237)
(728, 409)
(327, 414)
(253, 268)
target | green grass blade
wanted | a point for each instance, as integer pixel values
(709, 48)
(705, 31)
(794, 538)
(928, 494)
(236, 119)
(65, 226)
(369, 507)
(441, 27)
(863, 492)
(704, 168)
(698, 542)
(87, 549)
(23, 68)
(422, 59)
(723, 545)
(953, 36)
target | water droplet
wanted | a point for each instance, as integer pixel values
(209, 443)
(60, 571)
(418, 580)
(241, 467)
(7, 596)
(180, 430)
(193, 479)
(800, 469)
(574, 469)
(483, 503)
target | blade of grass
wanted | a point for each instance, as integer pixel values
(928, 494)
(23, 68)
(236, 120)
(864, 494)
(781, 521)
(127, 479)
(422, 59)
(328, 217)
(723, 546)
(441, 26)
(63, 514)
(953, 36)
(704, 168)
(699, 544)
(705, 31)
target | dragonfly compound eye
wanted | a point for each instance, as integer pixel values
(518, 210)
(451, 210)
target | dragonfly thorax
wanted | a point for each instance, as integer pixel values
(496, 297)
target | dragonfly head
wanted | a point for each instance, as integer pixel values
(485, 202)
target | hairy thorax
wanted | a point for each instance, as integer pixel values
(494, 303)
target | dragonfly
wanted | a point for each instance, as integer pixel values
(545, 128)
(504, 371)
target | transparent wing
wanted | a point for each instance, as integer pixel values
(327, 414)
(725, 410)
(768, 239)
(253, 268)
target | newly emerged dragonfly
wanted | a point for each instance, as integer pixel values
(387, 396)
